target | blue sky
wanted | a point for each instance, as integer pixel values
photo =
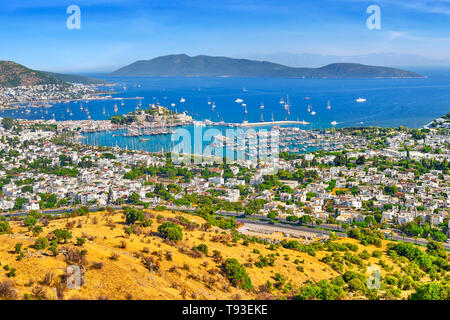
(117, 32)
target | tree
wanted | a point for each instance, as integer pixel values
(62, 234)
(4, 225)
(41, 243)
(171, 231)
(305, 219)
(237, 274)
(132, 215)
(340, 159)
(8, 123)
(431, 291)
(361, 160)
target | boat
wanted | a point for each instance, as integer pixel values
(238, 100)
(361, 100)
(328, 105)
(104, 111)
(313, 113)
(172, 104)
(261, 106)
(182, 100)
(116, 108)
(334, 123)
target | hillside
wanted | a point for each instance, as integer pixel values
(13, 75)
(75, 78)
(206, 66)
(135, 262)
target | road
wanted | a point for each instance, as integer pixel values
(240, 217)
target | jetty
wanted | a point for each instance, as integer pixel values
(255, 124)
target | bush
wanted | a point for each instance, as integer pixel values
(323, 290)
(41, 243)
(431, 291)
(132, 215)
(4, 225)
(62, 234)
(237, 274)
(171, 231)
(7, 290)
(203, 248)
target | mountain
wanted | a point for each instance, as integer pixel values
(380, 59)
(75, 78)
(183, 65)
(13, 74)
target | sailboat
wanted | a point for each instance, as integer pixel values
(104, 111)
(182, 100)
(328, 105)
(116, 108)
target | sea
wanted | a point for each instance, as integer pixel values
(388, 102)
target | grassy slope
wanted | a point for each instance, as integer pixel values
(128, 278)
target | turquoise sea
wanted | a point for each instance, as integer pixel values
(389, 102)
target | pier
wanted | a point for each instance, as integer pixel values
(256, 124)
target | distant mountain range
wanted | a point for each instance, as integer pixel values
(182, 65)
(380, 59)
(13, 75)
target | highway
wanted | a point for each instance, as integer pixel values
(240, 217)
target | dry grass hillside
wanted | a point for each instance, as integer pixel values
(144, 265)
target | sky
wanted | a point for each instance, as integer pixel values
(115, 33)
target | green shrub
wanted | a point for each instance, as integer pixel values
(41, 243)
(171, 231)
(237, 274)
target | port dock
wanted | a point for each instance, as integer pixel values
(255, 124)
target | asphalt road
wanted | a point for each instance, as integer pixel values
(242, 218)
